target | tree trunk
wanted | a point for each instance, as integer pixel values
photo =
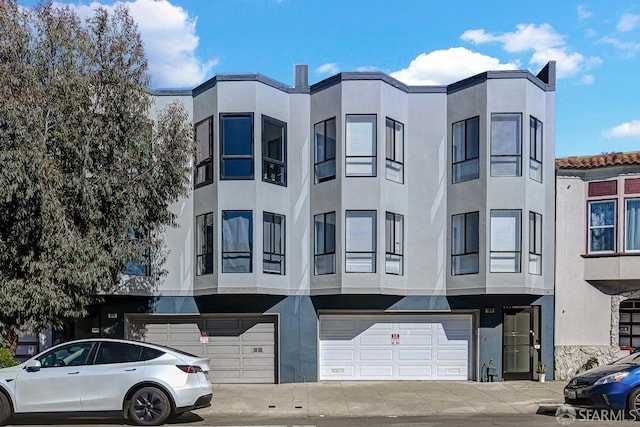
(11, 338)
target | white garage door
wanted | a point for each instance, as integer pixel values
(395, 347)
(242, 350)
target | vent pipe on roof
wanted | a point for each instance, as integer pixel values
(301, 75)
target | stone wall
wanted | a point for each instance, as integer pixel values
(570, 358)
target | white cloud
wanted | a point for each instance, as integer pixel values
(442, 67)
(170, 41)
(543, 40)
(367, 68)
(588, 79)
(329, 68)
(628, 48)
(583, 12)
(628, 22)
(624, 130)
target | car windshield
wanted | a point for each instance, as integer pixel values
(632, 359)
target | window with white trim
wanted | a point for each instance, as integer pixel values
(465, 238)
(360, 242)
(506, 238)
(506, 144)
(632, 225)
(602, 226)
(465, 150)
(360, 153)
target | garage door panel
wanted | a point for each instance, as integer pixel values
(407, 347)
(240, 349)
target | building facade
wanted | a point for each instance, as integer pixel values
(598, 269)
(406, 232)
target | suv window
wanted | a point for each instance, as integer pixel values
(150, 353)
(68, 355)
(117, 352)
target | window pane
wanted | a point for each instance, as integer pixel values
(319, 231)
(505, 231)
(237, 167)
(633, 225)
(465, 264)
(389, 133)
(472, 232)
(237, 240)
(361, 135)
(466, 171)
(360, 235)
(325, 264)
(505, 134)
(359, 262)
(237, 135)
(399, 151)
(393, 264)
(473, 138)
(602, 214)
(203, 140)
(330, 230)
(459, 151)
(319, 139)
(602, 240)
(273, 137)
(331, 139)
(457, 234)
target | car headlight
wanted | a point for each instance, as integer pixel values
(612, 378)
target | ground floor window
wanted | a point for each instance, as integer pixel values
(630, 323)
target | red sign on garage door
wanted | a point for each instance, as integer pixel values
(395, 339)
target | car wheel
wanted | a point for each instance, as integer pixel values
(149, 406)
(5, 409)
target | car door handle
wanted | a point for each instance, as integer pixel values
(130, 370)
(73, 373)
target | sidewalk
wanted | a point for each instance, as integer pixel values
(359, 399)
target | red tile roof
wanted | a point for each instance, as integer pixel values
(599, 160)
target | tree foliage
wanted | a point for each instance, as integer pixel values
(82, 165)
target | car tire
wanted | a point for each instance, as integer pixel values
(5, 409)
(149, 406)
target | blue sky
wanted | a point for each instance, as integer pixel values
(596, 46)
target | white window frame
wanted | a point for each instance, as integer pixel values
(592, 227)
(627, 227)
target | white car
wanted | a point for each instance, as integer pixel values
(146, 383)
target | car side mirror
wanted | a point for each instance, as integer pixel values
(33, 366)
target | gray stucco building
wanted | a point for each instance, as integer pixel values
(406, 232)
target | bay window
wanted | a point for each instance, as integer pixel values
(360, 244)
(237, 241)
(325, 150)
(465, 245)
(395, 151)
(602, 226)
(465, 150)
(506, 144)
(506, 234)
(361, 145)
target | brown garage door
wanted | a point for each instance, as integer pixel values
(241, 349)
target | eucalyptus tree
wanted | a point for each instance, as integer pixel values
(87, 172)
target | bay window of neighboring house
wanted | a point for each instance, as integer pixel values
(535, 149)
(324, 250)
(273, 232)
(602, 226)
(360, 242)
(465, 245)
(395, 151)
(141, 266)
(632, 224)
(236, 146)
(535, 243)
(324, 136)
(394, 243)
(204, 155)
(465, 150)
(506, 144)
(274, 151)
(506, 238)
(360, 155)
(204, 244)
(237, 241)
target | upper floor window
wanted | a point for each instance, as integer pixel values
(141, 266)
(466, 143)
(602, 226)
(360, 145)
(324, 250)
(325, 150)
(395, 151)
(236, 146)
(360, 245)
(273, 232)
(394, 243)
(506, 144)
(506, 232)
(632, 234)
(535, 149)
(204, 155)
(204, 244)
(237, 241)
(274, 151)
(535, 243)
(465, 245)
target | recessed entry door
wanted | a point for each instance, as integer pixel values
(520, 334)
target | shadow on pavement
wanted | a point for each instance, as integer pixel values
(82, 420)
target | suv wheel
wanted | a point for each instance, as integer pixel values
(5, 408)
(149, 406)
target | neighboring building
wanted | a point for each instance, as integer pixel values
(359, 229)
(597, 259)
